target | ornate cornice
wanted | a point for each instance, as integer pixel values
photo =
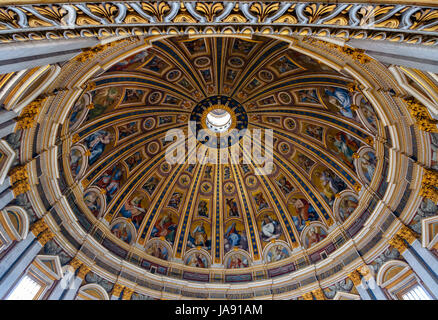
(397, 23)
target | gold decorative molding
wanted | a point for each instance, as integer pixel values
(421, 115)
(89, 86)
(319, 294)
(46, 236)
(83, 270)
(127, 293)
(38, 226)
(20, 188)
(407, 234)
(18, 173)
(75, 138)
(430, 177)
(29, 114)
(355, 278)
(117, 289)
(398, 243)
(308, 296)
(92, 52)
(410, 23)
(429, 185)
(75, 263)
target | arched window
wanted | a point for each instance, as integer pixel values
(399, 280)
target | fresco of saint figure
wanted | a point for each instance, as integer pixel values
(343, 145)
(77, 111)
(110, 181)
(346, 206)
(270, 228)
(197, 260)
(314, 131)
(237, 261)
(314, 235)
(277, 253)
(329, 184)
(93, 202)
(368, 112)
(157, 250)
(96, 143)
(103, 99)
(199, 236)
(135, 210)
(175, 200)
(203, 208)
(340, 98)
(302, 211)
(122, 231)
(165, 227)
(235, 236)
(76, 162)
(368, 163)
(151, 184)
(260, 201)
(233, 211)
(285, 186)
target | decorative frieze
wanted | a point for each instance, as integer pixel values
(402, 23)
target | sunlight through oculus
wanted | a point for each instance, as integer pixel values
(218, 120)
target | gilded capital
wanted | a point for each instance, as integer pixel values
(430, 177)
(75, 263)
(46, 236)
(421, 115)
(319, 294)
(355, 278)
(430, 192)
(20, 187)
(38, 226)
(398, 243)
(18, 173)
(308, 296)
(127, 293)
(407, 234)
(117, 289)
(28, 116)
(83, 270)
(365, 271)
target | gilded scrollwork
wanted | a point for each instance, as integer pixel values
(412, 24)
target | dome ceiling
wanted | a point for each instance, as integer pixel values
(194, 215)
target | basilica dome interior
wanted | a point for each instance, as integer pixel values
(304, 160)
